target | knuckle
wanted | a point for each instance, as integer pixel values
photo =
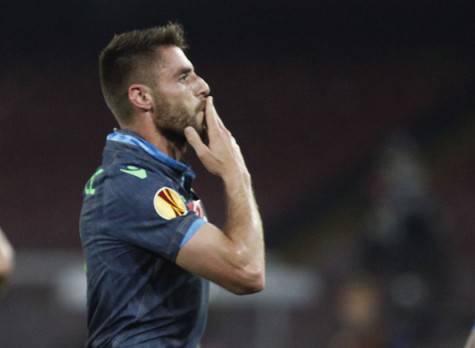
(200, 153)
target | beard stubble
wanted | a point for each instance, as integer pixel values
(171, 120)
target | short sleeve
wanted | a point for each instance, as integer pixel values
(149, 213)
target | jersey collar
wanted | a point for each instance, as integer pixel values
(131, 138)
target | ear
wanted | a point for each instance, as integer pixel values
(141, 97)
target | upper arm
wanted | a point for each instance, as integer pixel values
(213, 255)
(147, 213)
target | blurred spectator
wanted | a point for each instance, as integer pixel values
(6, 257)
(401, 246)
(359, 308)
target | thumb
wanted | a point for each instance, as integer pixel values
(195, 141)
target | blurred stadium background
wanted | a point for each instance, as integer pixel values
(357, 122)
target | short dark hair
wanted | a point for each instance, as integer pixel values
(127, 59)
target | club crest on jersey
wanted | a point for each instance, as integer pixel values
(168, 203)
(197, 208)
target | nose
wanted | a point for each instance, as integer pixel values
(202, 87)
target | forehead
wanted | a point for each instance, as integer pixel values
(172, 60)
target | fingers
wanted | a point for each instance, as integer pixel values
(211, 115)
(212, 118)
(195, 141)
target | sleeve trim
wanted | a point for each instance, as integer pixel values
(194, 227)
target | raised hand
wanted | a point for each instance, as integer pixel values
(222, 156)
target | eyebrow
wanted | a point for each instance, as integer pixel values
(184, 70)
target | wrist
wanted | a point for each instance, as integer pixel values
(236, 178)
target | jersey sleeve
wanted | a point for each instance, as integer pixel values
(150, 214)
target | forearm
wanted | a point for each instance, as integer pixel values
(243, 222)
(235, 256)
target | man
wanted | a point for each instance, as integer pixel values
(149, 248)
(6, 257)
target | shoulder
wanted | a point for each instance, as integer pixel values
(136, 186)
(124, 177)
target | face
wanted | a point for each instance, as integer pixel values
(179, 96)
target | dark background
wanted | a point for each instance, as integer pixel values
(316, 92)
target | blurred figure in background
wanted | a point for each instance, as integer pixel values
(360, 315)
(6, 257)
(401, 247)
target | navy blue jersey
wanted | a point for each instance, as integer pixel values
(138, 211)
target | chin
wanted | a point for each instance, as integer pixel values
(198, 123)
(200, 119)
(203, 132)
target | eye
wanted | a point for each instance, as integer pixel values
(184, 77)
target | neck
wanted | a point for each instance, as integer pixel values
(165, 143)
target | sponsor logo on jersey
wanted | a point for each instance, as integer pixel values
(135, 171)
(169, 204)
